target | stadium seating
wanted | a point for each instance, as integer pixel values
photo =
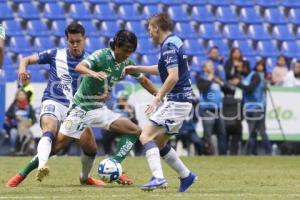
(258, 27)
(6, 11)
(54, 12)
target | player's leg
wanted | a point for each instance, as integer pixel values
(186, 177)
(129, 136)
(88, 145)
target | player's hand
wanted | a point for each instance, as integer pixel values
(99, 75)
(153, 105)
(130, 69)
(23, 75)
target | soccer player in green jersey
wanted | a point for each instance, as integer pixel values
(103, 69)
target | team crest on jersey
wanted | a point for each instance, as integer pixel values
(66, 78)
(68, 124)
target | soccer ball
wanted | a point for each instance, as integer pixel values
(109, 170)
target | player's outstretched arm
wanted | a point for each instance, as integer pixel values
(131, 69)
(148, 85)
(84, 69)
(22, 73)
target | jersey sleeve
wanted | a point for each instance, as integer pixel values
(135, 75)
(44, 57)
(93, 60)
(170, 56)
(2, 32)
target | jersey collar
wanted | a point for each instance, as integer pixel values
(166, 39)
(80, 57)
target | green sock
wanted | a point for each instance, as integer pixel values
(124, 146)
(33, 164)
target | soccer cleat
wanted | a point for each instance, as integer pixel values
(41, 173)
(15, 181)
(155, 183)
(124, 180)
(92, 181)
(185, 183)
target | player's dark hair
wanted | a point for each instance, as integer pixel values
(163, 21)
(124, 38)
(213, 47)
(73, 28)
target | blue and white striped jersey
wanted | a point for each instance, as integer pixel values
(63, 80)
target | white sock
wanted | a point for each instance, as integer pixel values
(43, 151)
(173, 160)
(154, 163)
(87, 163)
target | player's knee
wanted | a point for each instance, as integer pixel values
(144, 139)
(49, 124)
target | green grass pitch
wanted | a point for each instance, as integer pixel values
(228, 178)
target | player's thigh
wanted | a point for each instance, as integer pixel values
(161, 140)
(87, 141)
(60, 142)
(151, 132)
(124, 125)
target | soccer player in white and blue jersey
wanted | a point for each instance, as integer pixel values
(62, 85)
(169, 108)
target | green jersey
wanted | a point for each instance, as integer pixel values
(2, 32)
(101, 60)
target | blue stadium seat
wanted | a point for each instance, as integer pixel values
(271, 63)
(104, 12)
(145, 46)
(19, 44)
(244, 3)
(209, 31)
(155, 79)
(249, 15)
(109, 28)
(62, 43)
(202, 14)
(79, 12)
(124, 11)
(22, 1)
(36, 73)
(151, 10)
(6, 12)
(138, 27)
(47, 1)
(54, 11)
(258, 32)
(12, 28)
(149, 59)
(274, 16)
(220, 2)
(268, 3)
(90, 28)
(294, 16)
(171, 2)
(124, 1)
(185, 30)
(8, 63)
(233, 32)
(72, 1)
(148, 2)
(194, 48)
(195, 2)
(221, 44)
(178, 14)
(42, 43)
(94, 43)
(283, 32)
(58, 28)
(196, 63)
(298, 33)
(290, 49)
(290, 3)
(99, 1)
(267, 49)
(11, 74)
(37, 28)
(245, 47)
(24, 14)
(226, 15)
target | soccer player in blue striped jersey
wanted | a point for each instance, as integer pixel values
(171, 105)
(62, 85)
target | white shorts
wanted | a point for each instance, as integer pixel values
(54, 108)
(78, 119)
(171, 115)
